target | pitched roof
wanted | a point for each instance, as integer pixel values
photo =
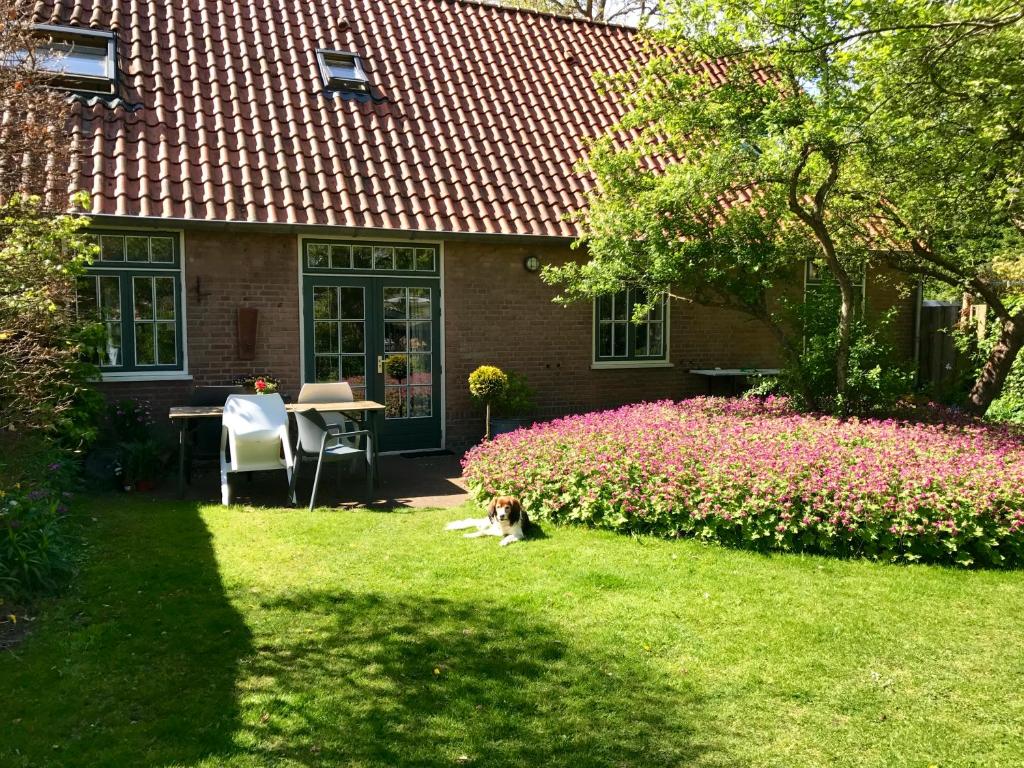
(477, 121)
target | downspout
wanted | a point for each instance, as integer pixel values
(918, 302)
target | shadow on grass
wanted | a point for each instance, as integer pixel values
(149, 663)
(138, 664)
(403, 681)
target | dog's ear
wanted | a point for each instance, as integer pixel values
(491, 510)
(515, 511)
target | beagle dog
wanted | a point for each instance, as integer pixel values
(505, 518)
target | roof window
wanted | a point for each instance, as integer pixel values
(343, 71)
(80, 59)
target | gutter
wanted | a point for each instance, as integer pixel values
(309, 230)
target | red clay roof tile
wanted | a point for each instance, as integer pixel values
(478, 121)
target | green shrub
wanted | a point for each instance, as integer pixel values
(36, 540)
(517, 401)
(487, 383)
(756, 474)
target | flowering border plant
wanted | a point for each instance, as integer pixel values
(756, 474)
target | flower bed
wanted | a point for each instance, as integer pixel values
(755, 474)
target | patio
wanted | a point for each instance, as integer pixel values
(406, 480)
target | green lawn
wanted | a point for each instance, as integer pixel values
(237, 637)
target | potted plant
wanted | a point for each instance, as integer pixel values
(514, 406)
(486, 385)
(259, 384)
(141, 464)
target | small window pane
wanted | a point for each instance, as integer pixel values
(325, 337)
(362, 257)
(394, 302)
(604, 308)
(419, 337)
(352, 337)
(419, 302)
(165, 298)
(383, 257)
(354, 369)
(317, 255)
(620, 306)
(341, 66)
(351, 303)
(418, 366)
(641, 340)
(137, 248)
(395, 336)
(143, 298)
(405, 258)
(73, 58)
(111, 355)
(604, 340)
(395, 406)
(657, 340)
(341, 257)
(619, 340)
(161, 250)
(420, 400)
(325, 303)
(110, 297)
(425, 259)
(167, 345)
(396, 369)
(328, 368)
(111, 248)
(86, 298)
(145, 352)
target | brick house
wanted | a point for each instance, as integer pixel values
(373, 177)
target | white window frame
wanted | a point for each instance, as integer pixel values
(606, 364)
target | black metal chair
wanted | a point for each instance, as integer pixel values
(325, 443)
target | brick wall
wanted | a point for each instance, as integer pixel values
(234, 271)
(495, 312)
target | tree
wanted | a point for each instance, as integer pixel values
(947, 154)
(613, 11)
(729, 182)
(42, 249)
(765, 132)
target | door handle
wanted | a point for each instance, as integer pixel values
(380, 364)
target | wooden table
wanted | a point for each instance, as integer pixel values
(364, 412)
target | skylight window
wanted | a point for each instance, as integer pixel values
(343, 71)
(80, 59)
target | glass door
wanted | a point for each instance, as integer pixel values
(409, 361)
(382, 336)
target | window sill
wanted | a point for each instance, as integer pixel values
(611, 365)
(146, 376)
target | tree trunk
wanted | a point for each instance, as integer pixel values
(993, 373)
(845, 322)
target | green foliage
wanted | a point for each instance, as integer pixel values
(517, 399)
(42, 376)
(487, 383)
(37, 543)
(820, 118)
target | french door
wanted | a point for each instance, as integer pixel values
(381, 335)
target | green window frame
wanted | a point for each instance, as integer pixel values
(322, 256)
(618, 338)
(818, 281)
(133, 288)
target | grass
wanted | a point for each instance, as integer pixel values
(202, 636)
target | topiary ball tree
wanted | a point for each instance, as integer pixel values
(486, 384)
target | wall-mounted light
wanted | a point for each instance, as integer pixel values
(531, 263)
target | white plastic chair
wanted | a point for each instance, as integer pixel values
(253, 437)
